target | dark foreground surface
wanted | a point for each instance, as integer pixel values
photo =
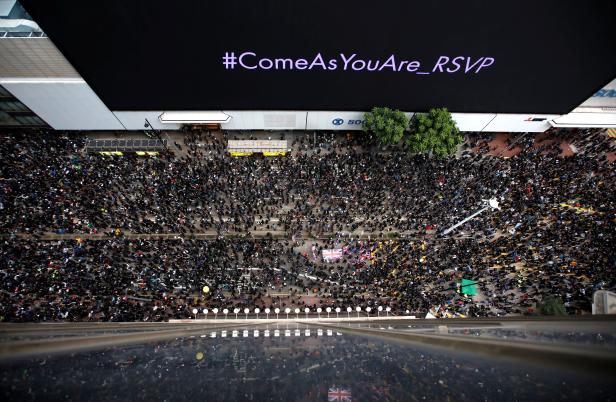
(291, 361)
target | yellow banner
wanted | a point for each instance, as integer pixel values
(240, 153)
(274, 153)
(578, 209)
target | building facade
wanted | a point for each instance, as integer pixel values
(115, 65)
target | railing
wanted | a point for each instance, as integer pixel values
(20, 34)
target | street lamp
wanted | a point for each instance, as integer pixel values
(358, 309)
(246, 311)
(337, 311)
(349, 309)
(306, 310)
(257, 311)
(205, 311)
(195, 312)
(368, 309)
(329, 310)
(319, 312)
(276, 310)
(388, 309)
(287, 310)
(267, 311)
(379, 309)
(215, 310)
(236, 310)
(491, 203)
(296, 313)
(226, 311)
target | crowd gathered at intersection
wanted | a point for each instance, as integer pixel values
(132, 238)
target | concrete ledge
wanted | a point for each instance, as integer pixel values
(311, 320)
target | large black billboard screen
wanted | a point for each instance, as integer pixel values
(511, 56)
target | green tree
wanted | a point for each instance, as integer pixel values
(387, 125)
(552, 305)
(434, 132)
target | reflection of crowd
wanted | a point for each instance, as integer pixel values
(577, 337)
(289, 368)
(554, 233)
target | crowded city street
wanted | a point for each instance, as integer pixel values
(338, 221)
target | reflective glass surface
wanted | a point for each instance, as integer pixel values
(289, 363)
(586, 334)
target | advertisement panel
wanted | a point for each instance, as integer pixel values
(506, 56)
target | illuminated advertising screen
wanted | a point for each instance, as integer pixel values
(508, 56)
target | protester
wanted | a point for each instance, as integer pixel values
(253, 229)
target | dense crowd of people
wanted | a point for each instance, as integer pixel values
(253, 229)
